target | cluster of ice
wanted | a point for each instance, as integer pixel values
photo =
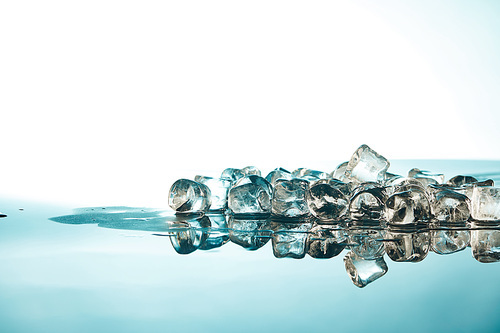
(360, 189)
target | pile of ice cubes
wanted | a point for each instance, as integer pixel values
(360, 189)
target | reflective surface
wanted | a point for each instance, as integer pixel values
(141, 269)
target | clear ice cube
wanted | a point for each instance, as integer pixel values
(325, 241)
(289, 239)
(251, 170)
(363, 272)
(486, 203)
(366, 165)
(450, 206)
(485, 244)
(278, 173)
(461, 180)
(250, 195)
(401, 184)
(408, 207)
(448, 241)
(187, 196)
(367, 202)
(326, 202)
(339, 172)
(404, 246)
(289, 198)
(310, 175)
(232, 174)
(426, 177)
(219, 188)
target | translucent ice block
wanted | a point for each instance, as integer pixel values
(366, 165)
(363, 272)
(187, 196)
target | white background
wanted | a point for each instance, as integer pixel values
(108, 102)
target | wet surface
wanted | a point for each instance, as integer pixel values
(141, 269)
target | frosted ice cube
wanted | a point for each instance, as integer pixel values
(404, 246)
(450, 206)
(408, 207)
(485, 244)
(250, 195)
(289, 198)
(449, 240)
(326, 202)
(187, 196)
(363, 272)
(486, 203)
(325, 241)
(219, 188)
(289, 239)
(366, 165)
(367, 202)
(251, 234)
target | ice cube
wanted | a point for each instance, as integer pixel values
(366, 165)
(450, 206)
(219, 188)
(485, 243)
(461, 180)
(232, 174)
(325, 241)
(366, 242)
(289, 239)
(251, 234)
(367, 202)
(363, 272)
(426, 177)
(486, 203)
(289, 198)
(339, 172)
(326, 202)
(251, 170)
(402, 184)
(310, 175)
(448, 241)
(407, 246)
(408, 207)
(250, 195)
(188, 239)
(278, 173)
(345, 188)
(187, 196)
(468, 189)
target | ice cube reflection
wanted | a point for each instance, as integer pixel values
(367, 243)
